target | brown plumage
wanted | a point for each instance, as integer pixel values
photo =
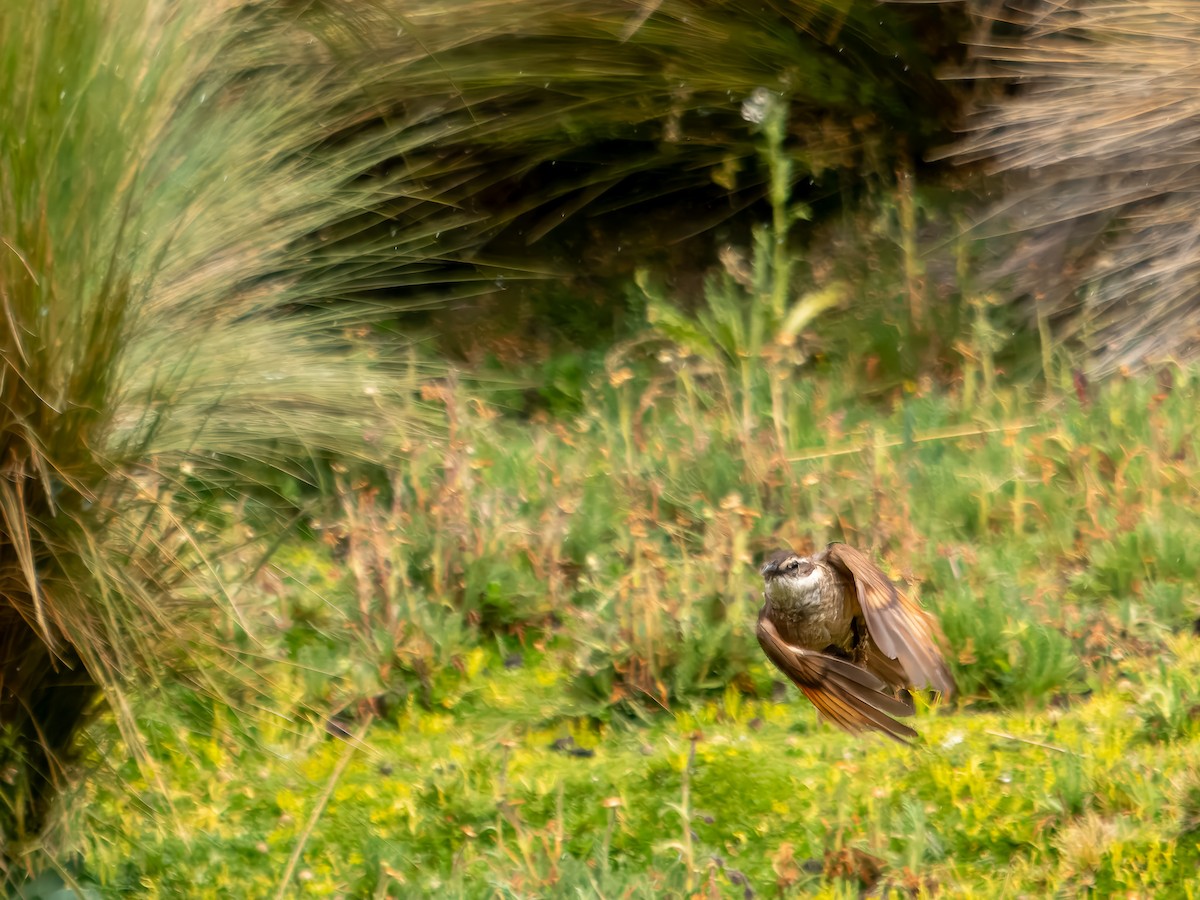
(841, 631)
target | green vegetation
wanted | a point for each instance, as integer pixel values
(476, 801)
(369, 626)
(586, 583)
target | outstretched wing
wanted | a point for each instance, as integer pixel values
(847, 695)
(897, 625)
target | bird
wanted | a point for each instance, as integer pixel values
(836, 625)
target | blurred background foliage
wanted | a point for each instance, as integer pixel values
(371, 363)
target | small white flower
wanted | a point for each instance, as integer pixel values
(755, 107)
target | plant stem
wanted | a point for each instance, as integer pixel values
(685, 813)
(608, 832)
(351, 748)
(908, 245)
(780, 173)
(1047, 346)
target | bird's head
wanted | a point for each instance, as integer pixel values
(789, 573)
(786, 564)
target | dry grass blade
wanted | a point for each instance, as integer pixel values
(938, 434)
(335, 776)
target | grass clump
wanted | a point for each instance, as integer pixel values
(156, 196)
(1076, 190)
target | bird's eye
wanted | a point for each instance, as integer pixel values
(793, 565)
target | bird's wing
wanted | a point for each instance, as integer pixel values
(897, 625)
(847, 695)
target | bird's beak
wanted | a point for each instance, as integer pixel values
(769, 568)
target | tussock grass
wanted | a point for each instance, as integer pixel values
(566, 138)
(1100, 143)
(157, 197)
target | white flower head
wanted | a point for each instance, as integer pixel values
(758, 104)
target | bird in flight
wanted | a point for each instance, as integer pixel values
(836, 625)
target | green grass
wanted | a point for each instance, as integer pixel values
(478, 597)
(607, 555)
(475, 801)
(628, 531)
(1052, 538)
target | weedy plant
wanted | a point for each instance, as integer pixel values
(750, 323)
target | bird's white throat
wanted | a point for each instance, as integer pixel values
(796, 590)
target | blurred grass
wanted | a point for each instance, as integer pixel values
(1074, 143)
(539, 586)
(499, 797)
(571, 141)
(156, 197)
(629, 529)
(584, 579)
